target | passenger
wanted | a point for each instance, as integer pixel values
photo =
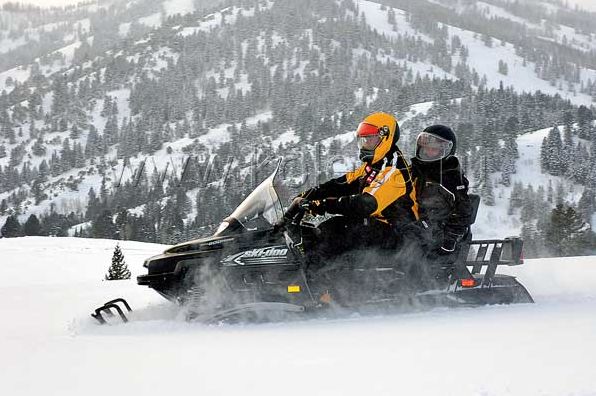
(444, 207)
(378, 197)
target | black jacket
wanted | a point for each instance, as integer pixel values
(442, 197)
(384, 193)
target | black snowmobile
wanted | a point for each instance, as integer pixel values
(259, 265)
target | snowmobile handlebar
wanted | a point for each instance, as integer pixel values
(296, 211)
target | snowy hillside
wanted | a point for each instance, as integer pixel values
(497, 221)
(108, 105)
(51, 346)
(484, 58)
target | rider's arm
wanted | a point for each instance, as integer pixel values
(357, 205)
(387, 188)
(459, 219)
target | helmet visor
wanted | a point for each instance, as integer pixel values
(368, 136)
(431, 147)
(368, 143)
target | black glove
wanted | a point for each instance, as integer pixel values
(315, 208)
(319, 207)
(449, 244)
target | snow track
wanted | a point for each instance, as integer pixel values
(51, 346)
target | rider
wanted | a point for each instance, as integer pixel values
(444, 206)
(378, 197)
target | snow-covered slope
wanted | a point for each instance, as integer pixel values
(50, 346)
(495, 221)
(482, 58)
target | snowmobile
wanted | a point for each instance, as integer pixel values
(259, 266)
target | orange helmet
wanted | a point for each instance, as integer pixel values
(377, 137)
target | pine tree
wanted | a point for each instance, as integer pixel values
(74, 132)
(587, 204)
(486, 190)
(509, 155)
(118, 270)
(32, 226)
(584, 122)
(568, 234)
(103, 226)
(529, 234)
(551, 153)
(503, 68)
(516, 198)
(12, 227)
(544, 158)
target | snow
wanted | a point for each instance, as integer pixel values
(45, 3)
(153, 20)
(482, 58)
(123, 29)
(20, 74)
(495, 221)
(416, 109)
(219, 135)
(7, 44)
(494, 11)
(528, 165)
(68, 51)
(211, 21)
(122, 97)
(378, 20)
(84, 25)
(588, 5)
(343, 138)
(523, 78)
(48, 287)
(285, 138)
(173, 7)
(261, 117)
(580, 41)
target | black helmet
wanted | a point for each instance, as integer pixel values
(435, 143)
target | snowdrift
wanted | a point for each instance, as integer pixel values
(51, 346)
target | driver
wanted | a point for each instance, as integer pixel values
(378, 196)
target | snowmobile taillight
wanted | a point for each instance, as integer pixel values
(468, 282)
(293, 288)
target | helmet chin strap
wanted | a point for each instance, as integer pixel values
(441, 171)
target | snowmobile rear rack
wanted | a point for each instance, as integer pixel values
(489, 253)
(107, 308)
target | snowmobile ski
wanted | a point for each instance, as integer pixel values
(107, 309)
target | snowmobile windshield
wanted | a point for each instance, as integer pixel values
(260, 210)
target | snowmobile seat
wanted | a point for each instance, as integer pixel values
(475, 202)
(461, 270)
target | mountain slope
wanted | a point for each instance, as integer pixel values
(138, 86)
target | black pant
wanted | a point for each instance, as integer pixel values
(427, 267)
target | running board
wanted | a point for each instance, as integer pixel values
(261, 307)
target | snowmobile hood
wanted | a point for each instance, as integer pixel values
(201, 244)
